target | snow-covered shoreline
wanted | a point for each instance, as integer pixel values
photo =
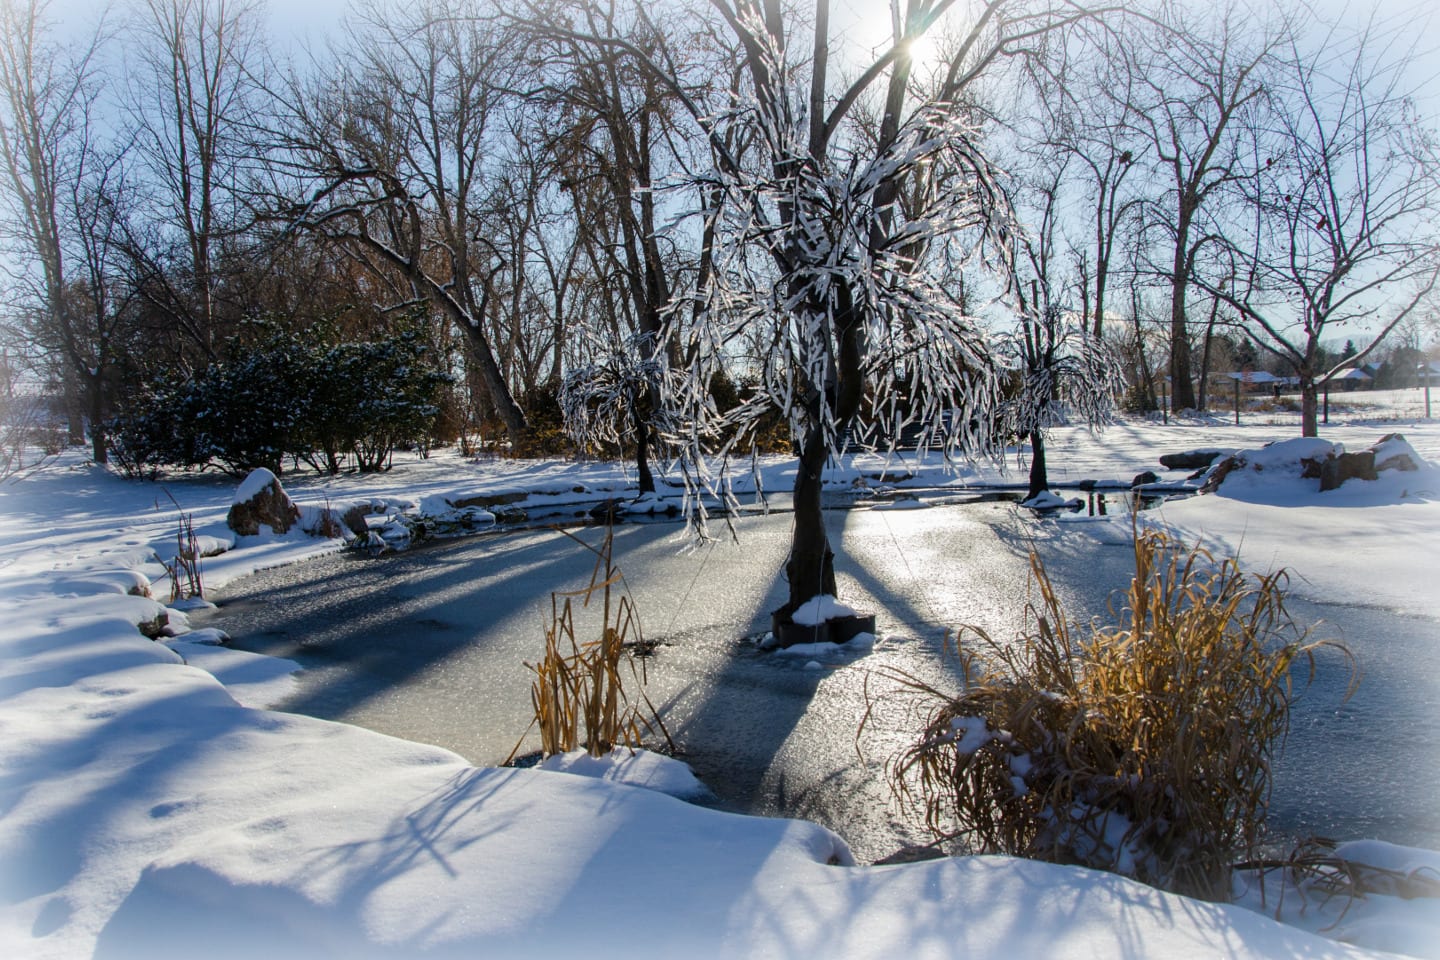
(147, 812)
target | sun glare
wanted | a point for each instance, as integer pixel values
(924, 49)
(868, 26)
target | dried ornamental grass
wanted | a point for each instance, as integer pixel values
(1141, 747)
(578, 693)
(186, 582)
(1317, 874)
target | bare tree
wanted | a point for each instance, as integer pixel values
(1197, 72)
(526, 314)
(1064, 371)
(56, 216)
(614, 140)
(398, 149)
(196, 95)
(1083, 105)
(1344, 212)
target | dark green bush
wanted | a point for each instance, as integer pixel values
(287, 396)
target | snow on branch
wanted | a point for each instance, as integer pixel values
(599, 399)
(1061, 374)
(844, 266)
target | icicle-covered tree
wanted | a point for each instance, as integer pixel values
(1064, 375)
(837, 238)
(863, 333)
(610, 400)
(1060, 371)
(841, 241)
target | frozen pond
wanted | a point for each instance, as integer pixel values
(430, 645)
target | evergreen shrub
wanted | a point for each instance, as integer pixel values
(290, 396)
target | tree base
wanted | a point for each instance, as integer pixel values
(838, 630)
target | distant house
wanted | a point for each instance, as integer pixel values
(1257, 379)
(1352, 378)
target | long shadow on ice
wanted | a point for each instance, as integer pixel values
(430, 644)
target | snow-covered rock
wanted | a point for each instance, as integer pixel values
(1283, 459)
(344, 520)
(1049, 500)
(648, 504)
(261, 501)
(444, 510)
(1193, 459)
(1394, 452)
(1311, 458)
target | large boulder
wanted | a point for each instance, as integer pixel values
(1394, 452)
(1191, 459)
(1335, 470)
(343, 520)
(1280, 459)
(262, 502)
(1315, 459)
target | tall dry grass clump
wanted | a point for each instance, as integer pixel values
(578, 693)
(1142, 747)
(186, 582)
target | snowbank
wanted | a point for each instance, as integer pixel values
(1387, 529)
(151, 815)
(149, 812)
(635, 768)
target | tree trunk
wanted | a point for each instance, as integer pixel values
(1145, 379)
(99, 451)
(1182, 391)
(642, 449)
(1101, 271)
(497, 391)
(74, 410)
(1204, 399)
(1309, 407)
(811, 567)
(1039, 477)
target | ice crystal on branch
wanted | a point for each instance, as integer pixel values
(842, 269)
(1064, 374)
(599, 399)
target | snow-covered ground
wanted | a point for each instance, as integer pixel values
(150, 806)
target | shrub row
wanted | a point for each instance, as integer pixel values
(291, 397)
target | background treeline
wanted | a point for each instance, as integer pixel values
(225, 251)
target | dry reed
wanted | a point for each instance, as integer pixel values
(185, 580)
(578, 693)
(1141, 747)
